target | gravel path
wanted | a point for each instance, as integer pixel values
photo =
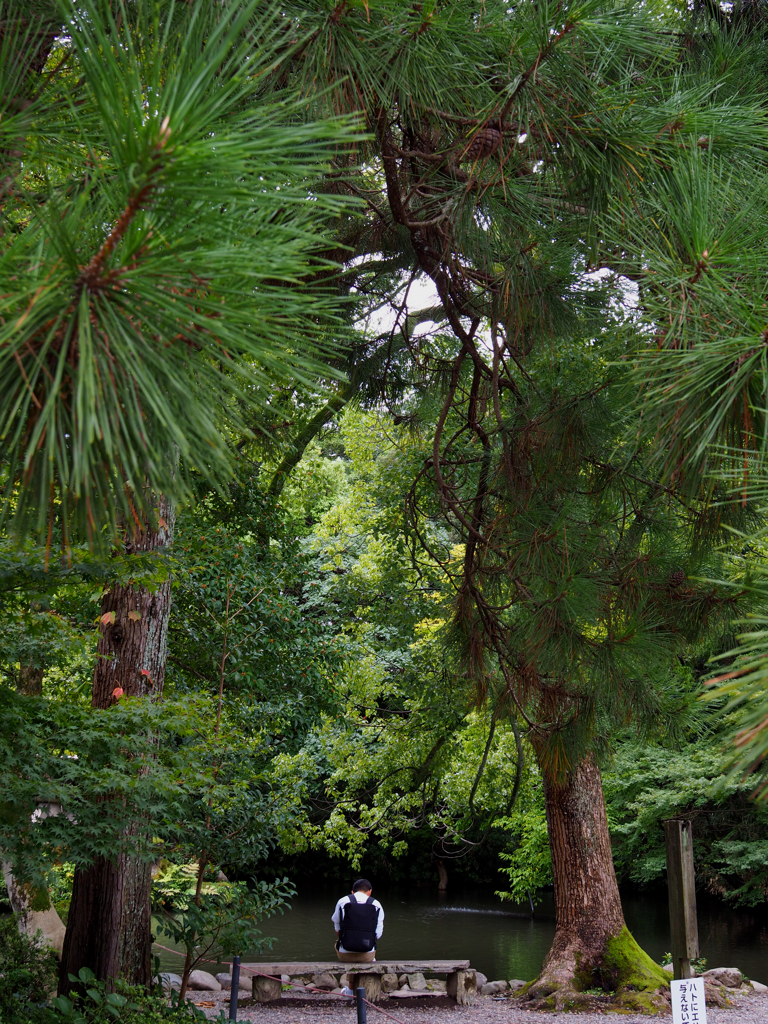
(751, 1009)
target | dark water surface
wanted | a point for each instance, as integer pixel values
(422, 924)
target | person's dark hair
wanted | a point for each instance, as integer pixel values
(361, 885)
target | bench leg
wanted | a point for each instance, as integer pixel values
(266, 990)
(462, 986)
(370, 982)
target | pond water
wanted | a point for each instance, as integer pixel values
(498, 938)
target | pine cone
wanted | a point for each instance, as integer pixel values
(676, 578)
(484, 143)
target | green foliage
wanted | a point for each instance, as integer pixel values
(60, 880)
(742, 689)
(28, 972)
(244, 623)
(699, 963)
(49, 608)
(157, 233)
(226, 921)
(528, 866)
(174, 886)
(376, 634)
(160, 763)
(193, 770)
(405, 769)
(94, 1004)
(647, 784)
(698, 253)
(313, 488)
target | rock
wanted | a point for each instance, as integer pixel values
(169, 981)
(202, 981)
(245, 986)
(324, 980)
(728, 976)
(491, 988)
(481, 979)
(758, 986)
(402, 981)
(715, 995)
(389, 983)
(285, 979)
(501, 985)
(668, 967)
(436, 985)
(344, 981)
(516, 984)
(416, 982)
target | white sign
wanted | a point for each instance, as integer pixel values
(688, 1001)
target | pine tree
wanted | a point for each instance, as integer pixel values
(699, 258)
(511, 147)
(159, 271)
(574, 594)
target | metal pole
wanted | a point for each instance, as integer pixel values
(235, 988)
(360, 993)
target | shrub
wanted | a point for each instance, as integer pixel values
(128, 1004)
(28, 971)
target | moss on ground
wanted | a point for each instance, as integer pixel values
(639, 1002)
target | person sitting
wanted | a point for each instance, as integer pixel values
(359, 923)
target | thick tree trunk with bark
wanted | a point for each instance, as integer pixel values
(587, 902)
(592, 948)
(108, 928)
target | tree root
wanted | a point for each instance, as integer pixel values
(623, 980)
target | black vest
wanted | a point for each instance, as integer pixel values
(357, 932)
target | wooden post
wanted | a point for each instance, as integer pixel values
(682, 896)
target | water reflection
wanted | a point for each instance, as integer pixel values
(501, 939)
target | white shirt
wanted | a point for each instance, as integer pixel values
(361, 898)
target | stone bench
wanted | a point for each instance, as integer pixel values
(461, 981)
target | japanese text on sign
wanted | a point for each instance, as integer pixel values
(688, 1001)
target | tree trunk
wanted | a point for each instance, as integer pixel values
(30, 921)
(30, 680)
(442, 877)
(592, 948)
(587, 902)
(33, 910)
(108, 928)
